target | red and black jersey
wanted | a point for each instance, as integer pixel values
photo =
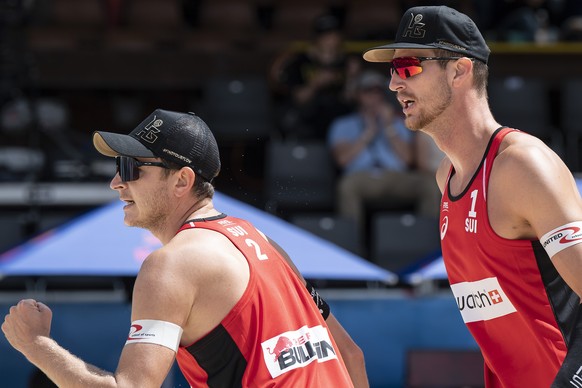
(522, 314)
(273, 336)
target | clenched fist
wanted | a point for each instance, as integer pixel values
(27, 321)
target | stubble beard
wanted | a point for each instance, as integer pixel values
(154, 212)
(425, 118)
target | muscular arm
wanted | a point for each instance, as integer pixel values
(531, 193)
(21, 328)
(350, 351)
(27, 328)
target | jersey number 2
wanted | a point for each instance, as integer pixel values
(253, 243)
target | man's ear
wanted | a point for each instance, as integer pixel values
(463, 70)
(184, 181)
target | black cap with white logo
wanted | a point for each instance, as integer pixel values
(434, 27)
(182, 138)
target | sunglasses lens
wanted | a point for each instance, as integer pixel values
(127, 169)
(406, 67)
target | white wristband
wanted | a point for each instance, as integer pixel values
(155, 332)
(562, 237)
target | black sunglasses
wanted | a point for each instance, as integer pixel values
(128, 167)
(407, 67)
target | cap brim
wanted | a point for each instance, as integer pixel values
(386, 53)
(114, 144)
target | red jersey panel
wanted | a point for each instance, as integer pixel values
(513, 301)
(274, 336)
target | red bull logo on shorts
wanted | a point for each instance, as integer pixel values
(296, 349)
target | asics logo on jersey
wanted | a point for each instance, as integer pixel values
(444, 227)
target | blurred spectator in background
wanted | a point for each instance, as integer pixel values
(428, 155)
(571, 22)
(525, 20)
(376, 155)
(312, 86)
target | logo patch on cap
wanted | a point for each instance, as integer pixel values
(415, 28)
(149, 132)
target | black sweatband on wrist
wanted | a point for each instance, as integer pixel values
(319, 302)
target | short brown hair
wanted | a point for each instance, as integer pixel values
(480, 70)
(202, 188)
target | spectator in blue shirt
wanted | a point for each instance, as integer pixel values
(377, 157)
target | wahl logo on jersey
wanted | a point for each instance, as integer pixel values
(481, 300)
(296, 349)
(415, 28)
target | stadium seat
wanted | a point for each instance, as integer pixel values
(338, 230)
(296, 18)
(237, 108)
(227, 15)
(524, 103)
(399, 240)
(571, 120)
(300, 176)
(372, 19)
(11, 230)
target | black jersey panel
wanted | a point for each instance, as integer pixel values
(220, 357)
(565, 302)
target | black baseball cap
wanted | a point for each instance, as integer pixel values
(182, 138)
(434, 27)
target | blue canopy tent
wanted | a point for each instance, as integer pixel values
(432, 270)
(98, 243)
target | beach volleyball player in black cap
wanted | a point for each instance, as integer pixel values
(218, 296)
(511, 215)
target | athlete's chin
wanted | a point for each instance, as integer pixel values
(412, 124)
(130, 220)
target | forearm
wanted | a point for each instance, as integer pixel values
(65, 369)
(351, 353)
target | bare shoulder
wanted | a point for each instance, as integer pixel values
(529, 182)
(524, 160)
(204, 246)
(173, 278)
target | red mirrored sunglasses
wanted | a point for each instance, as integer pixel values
(407, 67)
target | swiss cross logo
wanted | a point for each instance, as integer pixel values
(495, 297)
